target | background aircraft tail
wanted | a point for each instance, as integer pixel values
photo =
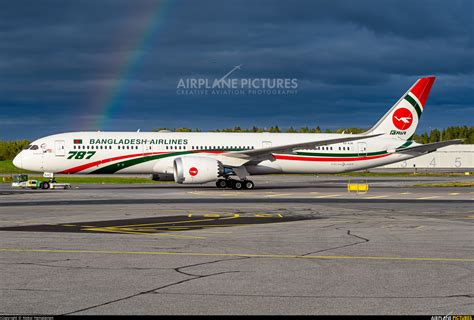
(402, 119)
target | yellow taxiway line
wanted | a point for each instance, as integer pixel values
(250, 255)
(155, 234)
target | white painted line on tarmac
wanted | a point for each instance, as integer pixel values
(278, 195)
(426, 198)
(328, 196)
(376, 197)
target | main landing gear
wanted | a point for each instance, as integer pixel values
(235, 184)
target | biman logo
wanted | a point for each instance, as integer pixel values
(193, 171)
(402, 119)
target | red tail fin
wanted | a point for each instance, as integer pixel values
(422, 89)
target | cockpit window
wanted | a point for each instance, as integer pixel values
(34, 147)
(27, 147)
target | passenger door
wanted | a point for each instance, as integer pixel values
(59, 148)
(362, 149)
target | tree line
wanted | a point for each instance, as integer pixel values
(8, 149)
(435, 135)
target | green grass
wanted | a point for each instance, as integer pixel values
(101, 180)
(379, 174)
(7, 167)
(447, 184)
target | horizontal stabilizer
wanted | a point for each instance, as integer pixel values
(430, 147)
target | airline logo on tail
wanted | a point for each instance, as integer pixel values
(402, 119)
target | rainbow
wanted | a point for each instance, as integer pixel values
(109, 101)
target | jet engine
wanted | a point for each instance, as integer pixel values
(194, 170)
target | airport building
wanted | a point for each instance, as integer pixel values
(453, 158)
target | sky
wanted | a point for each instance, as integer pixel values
(115, 65)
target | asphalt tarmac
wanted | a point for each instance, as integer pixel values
(294, 245)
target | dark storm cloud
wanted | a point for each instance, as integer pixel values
(352, 61)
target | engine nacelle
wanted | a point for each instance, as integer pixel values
(189, 170)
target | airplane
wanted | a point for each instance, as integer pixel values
(229, 158)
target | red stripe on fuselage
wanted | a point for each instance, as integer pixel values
(324, 159)
(276, 156)
(96, 163)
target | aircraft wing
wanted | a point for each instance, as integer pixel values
(266, 153)
(430, 147)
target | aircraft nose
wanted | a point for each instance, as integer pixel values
(18, 161)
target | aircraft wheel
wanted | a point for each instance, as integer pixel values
(237, 185)
(248, 184)
(44, 185)
(221, 183)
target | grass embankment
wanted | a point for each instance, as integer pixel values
(380, 174)
(7, 167)
(447, 184)
(101, 180)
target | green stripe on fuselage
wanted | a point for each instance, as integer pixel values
(414, 104)
(131, 162)
(128, 163)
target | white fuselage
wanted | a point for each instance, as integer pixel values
(154, 152)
